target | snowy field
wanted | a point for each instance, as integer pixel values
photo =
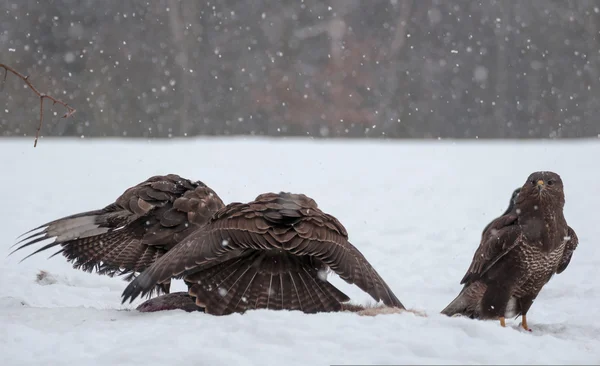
(415, 210)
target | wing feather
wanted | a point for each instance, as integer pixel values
(128, 235)
(572, 243)
(290, 225)
(498, 239)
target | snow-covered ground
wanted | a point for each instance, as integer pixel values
(415, 209)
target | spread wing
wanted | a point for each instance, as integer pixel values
(269, 253)
(570, 247)
(128, 235)
(501, 236)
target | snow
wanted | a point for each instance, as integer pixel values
(415, 210)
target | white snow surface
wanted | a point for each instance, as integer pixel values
(414, 209)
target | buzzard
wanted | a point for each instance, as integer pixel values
(274, 252)
(519, 252)
(270, 253)
(125, 237)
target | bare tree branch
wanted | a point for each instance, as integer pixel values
(42, 96)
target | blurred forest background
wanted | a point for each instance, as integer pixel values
(337, 68)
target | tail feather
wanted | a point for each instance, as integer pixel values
(68, 222)
(458, 306)
(263, 280)
(63, 232)
(107, 241)
(467, 302)
(81, 225)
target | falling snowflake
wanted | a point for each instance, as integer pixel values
(222, 292)
(480, 74)
(69, 57)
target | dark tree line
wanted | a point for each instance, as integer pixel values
(348, 68)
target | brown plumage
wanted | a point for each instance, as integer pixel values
(509, 209)
(125, 237)
(519, 252)
(271, 253)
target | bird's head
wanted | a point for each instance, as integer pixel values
(542, 188)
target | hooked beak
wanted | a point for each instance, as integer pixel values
(540, 185)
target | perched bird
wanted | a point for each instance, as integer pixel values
(125, 237)
(519, 252)
(271, 253)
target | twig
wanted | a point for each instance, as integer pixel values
(42, 96)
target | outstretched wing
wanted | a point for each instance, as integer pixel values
(127, 236)
(572, 242)
(291, 229)
(501, 236)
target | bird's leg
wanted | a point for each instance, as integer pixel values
(524, 322)
(525, 303)
(494, 302)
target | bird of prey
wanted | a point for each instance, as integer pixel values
(518, 254)
(270, 253)
(126, 236)
(279, 247)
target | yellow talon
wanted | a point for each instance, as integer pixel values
(502, 322)
(524, 323)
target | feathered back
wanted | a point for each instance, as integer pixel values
(128, 235)
(270, 253)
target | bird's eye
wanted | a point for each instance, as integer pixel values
(532, 182)
(550, 182)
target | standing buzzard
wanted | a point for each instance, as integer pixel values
(125, 237)
(271, 253)
(519, 252)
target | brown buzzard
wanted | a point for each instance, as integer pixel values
(283, 241)
(125, 237)
(271, 253)
(519, 252)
